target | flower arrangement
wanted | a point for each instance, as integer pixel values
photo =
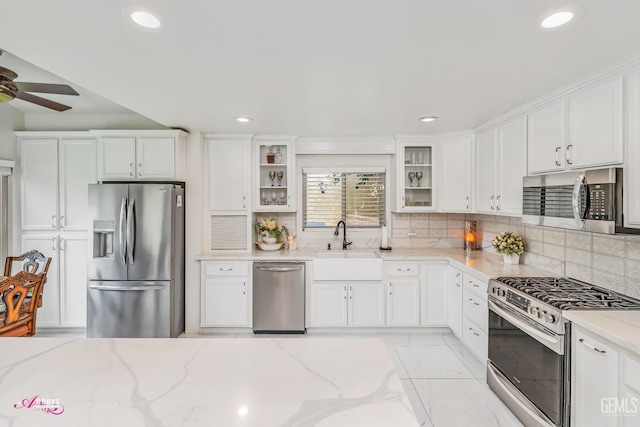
(271, 227)
(507, 243)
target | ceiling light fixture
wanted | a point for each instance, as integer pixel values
(145, 19)
(6, 95)
(559, 17)
(243, 119)
(428, 119)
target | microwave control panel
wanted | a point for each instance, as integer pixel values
(601, 207)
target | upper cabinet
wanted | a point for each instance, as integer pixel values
(415, 191)
(274, 174)
(632, 163)
(455, 182)
(585, 130)
(500, 166)
(55, 170)
(141, 155)
(228, 172)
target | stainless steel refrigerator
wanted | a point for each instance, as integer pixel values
(136, 260)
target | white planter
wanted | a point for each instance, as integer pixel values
(269, 240)
(513, 259)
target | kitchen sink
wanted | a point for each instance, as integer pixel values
(347, 265)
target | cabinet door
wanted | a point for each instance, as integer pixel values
(226, 302)
(328, 304)
(116, 158)
(595, 378)
(595, 126)
(512, 143)
(546, 139)
(228, 177)
(73, 281)
(632, 167)
(48, 315)
(485, 198)
(434, 295)
(39, 176)
(366, 304)
(456, 175)
(454, 297)
(78, 169)
(155, 158)
(282, 163)
(403, 303)
(629, 377)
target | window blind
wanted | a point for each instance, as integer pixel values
(356, 197)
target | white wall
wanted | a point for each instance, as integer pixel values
(71, 121)
(11, 120)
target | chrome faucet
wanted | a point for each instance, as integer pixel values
(345, 243)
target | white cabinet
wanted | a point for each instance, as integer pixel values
(433, 292)
(64, 299)
(274, 174)
(632, 145)
(228, 172)
(595, 377)
(415, 176)
(141, 155)
(403, 293)
(475, 316)
(346, 304)
(54, 178)
(226, 294)
(585, 130)
(501, 165)
(454, 300)
(455, 182)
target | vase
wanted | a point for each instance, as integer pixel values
(269, 240)
(511, 259)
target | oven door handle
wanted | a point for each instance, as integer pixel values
(547, 340)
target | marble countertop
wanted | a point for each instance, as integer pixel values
(200, 382)
(483, 265)
(620, 327)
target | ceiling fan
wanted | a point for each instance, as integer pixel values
(10, 90)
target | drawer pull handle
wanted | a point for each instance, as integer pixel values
(226, 269)
(403, 269)
(475, 303)
(475, 285)
(474, 332)
(591, 347)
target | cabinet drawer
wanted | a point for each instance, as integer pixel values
(226, 269)
(476, 310)
(475, 340)
(476, 286)
(402, 269)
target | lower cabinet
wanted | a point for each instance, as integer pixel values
(226, 294)
(475, 316)
(403, 303)
(433, 291)
(64, 298)
(454, 301)
(346, 304)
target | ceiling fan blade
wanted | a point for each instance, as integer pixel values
(45, 88)
(41, 101)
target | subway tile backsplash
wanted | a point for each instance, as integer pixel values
(612, 262)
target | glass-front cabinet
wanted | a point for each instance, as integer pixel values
(273, 158)
(415, 186)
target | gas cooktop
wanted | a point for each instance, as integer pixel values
(570, 294)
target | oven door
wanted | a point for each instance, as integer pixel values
(527, 360)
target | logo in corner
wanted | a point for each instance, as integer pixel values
(46, 405)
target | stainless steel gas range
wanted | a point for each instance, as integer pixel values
(530, 342)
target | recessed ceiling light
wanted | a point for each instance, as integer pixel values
(559, 17)
(145, 19)
(427, 119)
(244, 119)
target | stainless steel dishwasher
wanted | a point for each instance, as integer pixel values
(278, 297)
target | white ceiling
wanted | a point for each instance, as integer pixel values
(319, 68)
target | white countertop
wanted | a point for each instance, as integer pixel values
(482, 264)
(620, 327)
(202, 382)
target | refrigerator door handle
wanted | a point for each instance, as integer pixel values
(140, 287)
(123, 221)
(131, 230)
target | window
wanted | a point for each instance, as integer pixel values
(356, 197)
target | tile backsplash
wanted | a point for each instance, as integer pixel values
(612, 262)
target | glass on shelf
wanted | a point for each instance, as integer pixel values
(271, 155)
(278, 155)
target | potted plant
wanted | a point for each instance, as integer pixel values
(510, 246)
(271, 231)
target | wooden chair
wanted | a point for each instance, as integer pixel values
(19, 317)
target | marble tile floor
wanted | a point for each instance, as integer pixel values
(444, 382)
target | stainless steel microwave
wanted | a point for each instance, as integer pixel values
(588, 200)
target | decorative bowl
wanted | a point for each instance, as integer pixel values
(270, 247)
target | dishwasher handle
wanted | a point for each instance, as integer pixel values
(280, 269)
